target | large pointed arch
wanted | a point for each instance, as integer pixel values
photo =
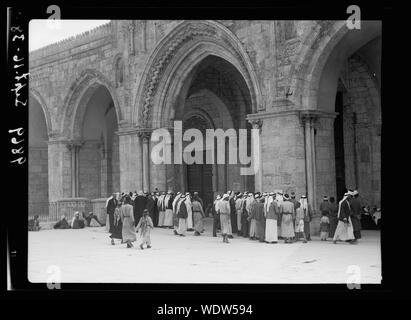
(185, 46)
(316, 51)
(76, 100)
(39, 98)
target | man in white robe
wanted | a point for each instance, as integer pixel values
(344, 230)
(190, 224)
(161, 209)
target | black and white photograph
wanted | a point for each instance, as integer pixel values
(202, 151)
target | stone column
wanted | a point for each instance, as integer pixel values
(59, 169)
(309, 165)
(258, 124)
(145, 137)
(130, 156)
(103, 171)
(314, 160)
(74, 147)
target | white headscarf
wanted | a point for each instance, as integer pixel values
(108, 199)
(267, 204)
(303, 203)
(175, 202)
(340, 203)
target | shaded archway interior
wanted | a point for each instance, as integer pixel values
(38, 160)
(99, 171)
(357, 127)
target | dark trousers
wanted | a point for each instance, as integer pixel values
(307, 230)
(90, 217)
(333, 226)
(155, 218)
(233, 218)
(244, 226)
(111, 221)
(216, 224)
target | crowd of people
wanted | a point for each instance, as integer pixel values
(265, 217)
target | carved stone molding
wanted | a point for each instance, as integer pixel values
(256, 124)
(190, 32)
(185, 35)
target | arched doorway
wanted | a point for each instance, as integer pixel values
(98, 155)
(172, 78)
(212, 96)
(199, 176)
(358, 137)
(348, 85)
(38, 160)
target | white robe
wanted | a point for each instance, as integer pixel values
(190, 223)
(271, 230)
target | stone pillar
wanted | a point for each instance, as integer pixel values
(325, 157)
(257, 124)
(74, 147)
(103, 171)
(59, 170)
(314, 161)
(145, 137)
(130, 154)
(307, 119)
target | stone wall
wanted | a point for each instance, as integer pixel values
(62, 73)
(362, 151)
(325, 158)
(38, 181)
(283, 154)
(89, 170)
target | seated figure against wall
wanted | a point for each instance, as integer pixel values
(34, 224)
(91, 220)
(77, 222)
(62, 223)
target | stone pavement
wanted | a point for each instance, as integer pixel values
(86, 255)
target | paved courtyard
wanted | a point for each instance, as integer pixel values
(86, 255)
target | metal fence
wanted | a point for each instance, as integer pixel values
(52, 211)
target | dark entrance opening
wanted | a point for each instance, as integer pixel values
(339, 146)
(200, 176)
(200, 179)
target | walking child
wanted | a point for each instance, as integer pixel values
(145, 225)
(299, 223)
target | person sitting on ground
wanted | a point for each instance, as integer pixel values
(34, 224)
(62, 223)
(77, 222)
(91, 220)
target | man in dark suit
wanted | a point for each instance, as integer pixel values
(139, 205)
(111, 207)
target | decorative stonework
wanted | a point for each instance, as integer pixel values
(190, 32)
(86, 79)
(185, 35)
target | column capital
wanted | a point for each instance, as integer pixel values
(74, 144)
(144, 134)
(256, 123)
